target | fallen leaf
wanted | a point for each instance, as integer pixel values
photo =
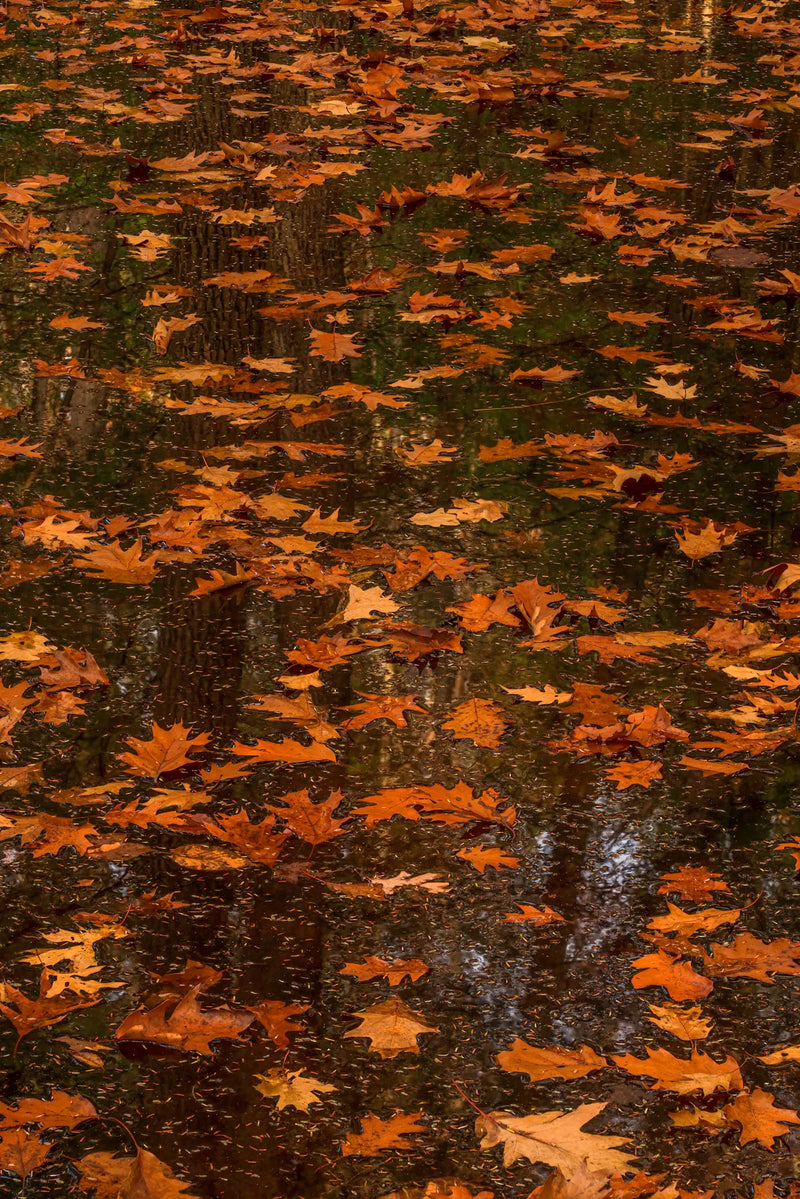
(686, 1023)
(167, 750)
(556, 1139)
(391, 1028)
(394, 972)
(377, 1135)
(549, 1061)
(760, 1119)
(292, 1088)
(183, 1024)
(699, 1072)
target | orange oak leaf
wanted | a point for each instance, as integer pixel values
(699, 1072)
(257, 840)
(543, 696)
(481, 611)
(678, 979)
(553, 374)
(479, 721)
(583, 1185)
(505, 449)
(61, 1110)
(120, 565)
(634, 774)
(779, 1057)
(760, 1119)
(141, 1177)
(483, 856)
(686, 1023)
(277, 1018)
(425, 455)
(317, 523)
(377, 1135)
(530, 915)
(366, 603)
(333, 346)
(689, 923)
(29, 1014)
(168, 749)
(48, 834)
(284, 751)
(549, 1061)
(708, 767)
(443, 805)
(222, 580)
(555, 1138)
(391, 1028)
(314, 823)
(705, 539)
(21, 1152)
(291, 1088)
(748, 957)
(692, 882)
(184, 1025)
(380, 707)
(394, 972)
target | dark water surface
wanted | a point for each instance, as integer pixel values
(154, 158)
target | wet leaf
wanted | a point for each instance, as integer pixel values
(394, 972)
(699, 1072)
(549, 1061)
(292, 1088)
(760, 1119)
(391, 1028)
(184, 1024)
(555, 1138)
(377, 1135)
(167, 750)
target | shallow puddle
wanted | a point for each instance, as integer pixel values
(399, 600)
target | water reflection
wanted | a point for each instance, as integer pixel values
(282, 106)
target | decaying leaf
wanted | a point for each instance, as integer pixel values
(141, 1177)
